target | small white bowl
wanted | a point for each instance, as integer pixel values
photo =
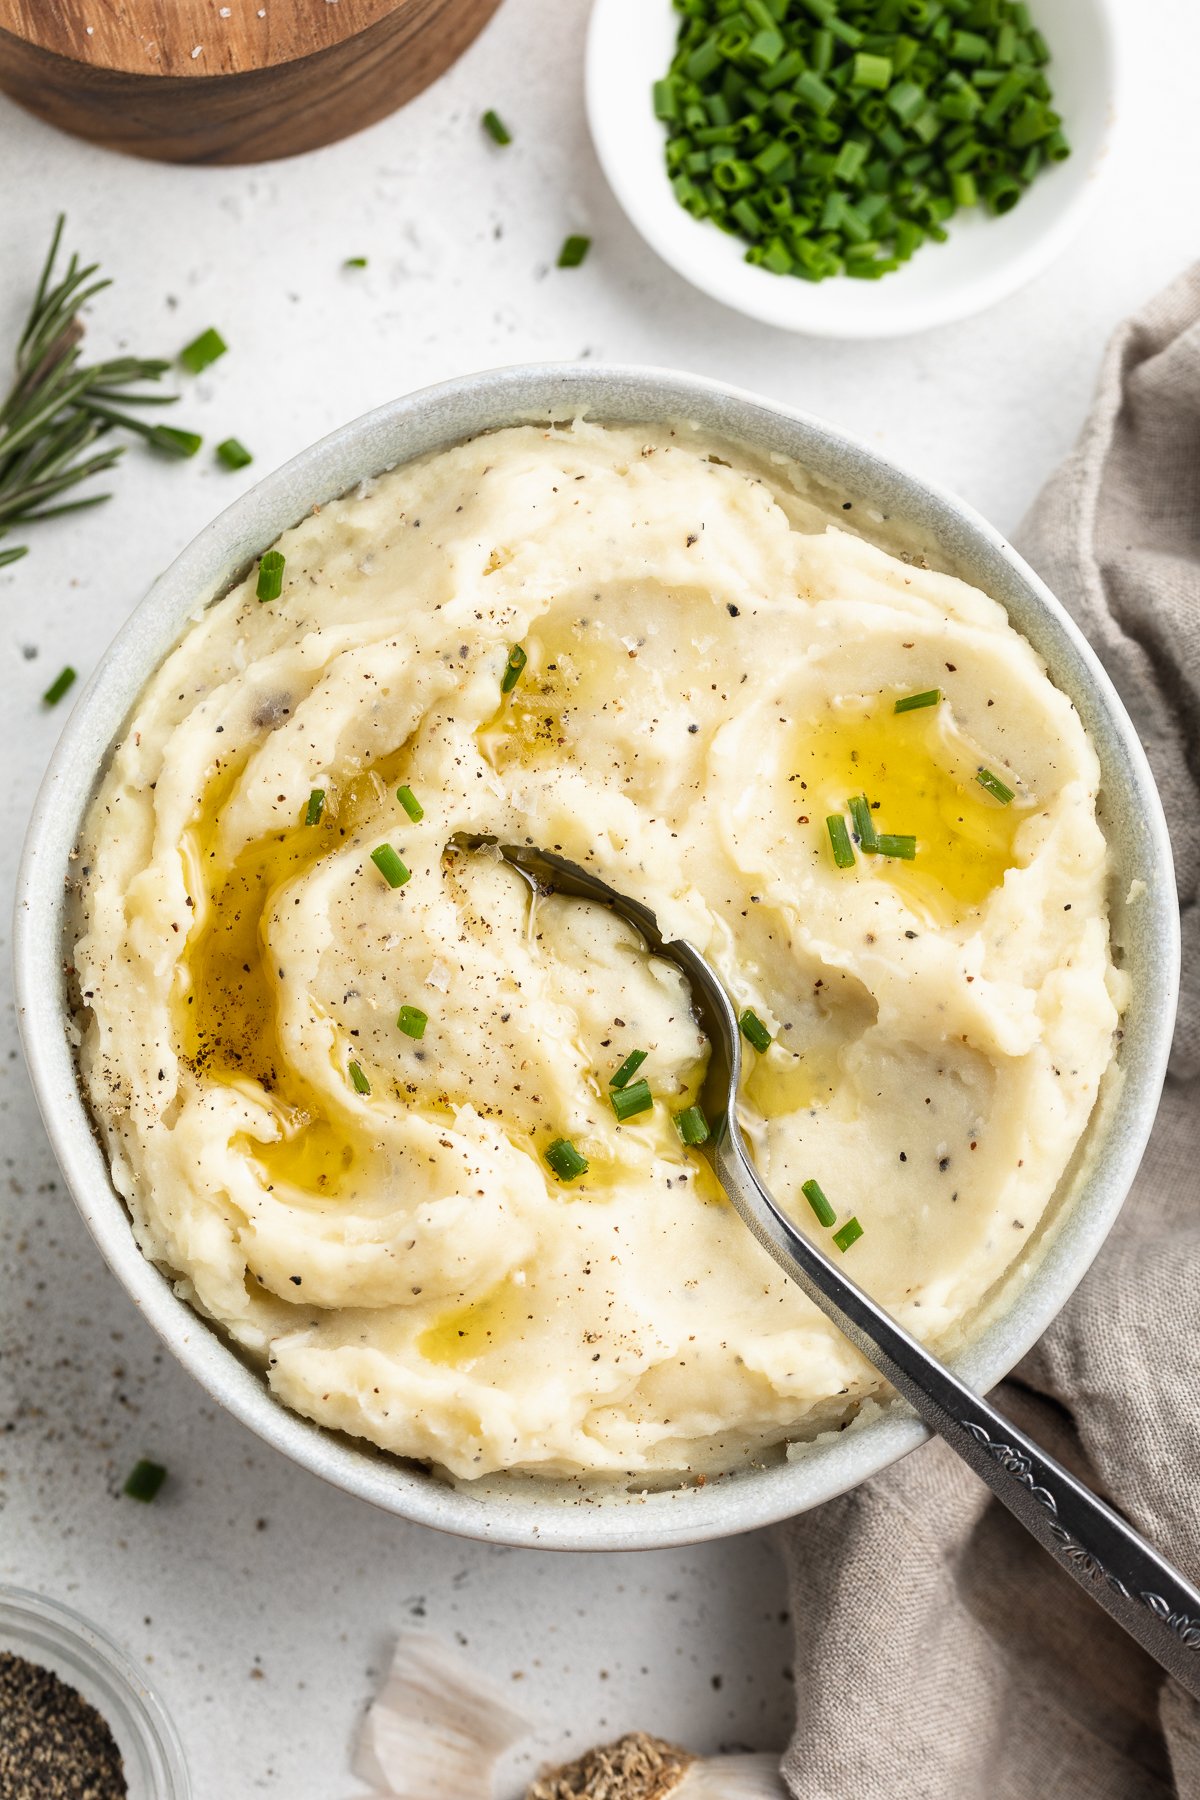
(630, 46)
(56, 1638)
(584, 1515)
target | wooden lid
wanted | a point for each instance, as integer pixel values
(189, 37)
(226, 81)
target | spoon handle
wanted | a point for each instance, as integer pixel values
(1125, 1574)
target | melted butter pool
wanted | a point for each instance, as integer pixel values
(464, 1333)
(228, 1010)
(918, 770)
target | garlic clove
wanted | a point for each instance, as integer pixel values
(435, 1729)
(748, 1777)
(636, 1767)
(640, 1767)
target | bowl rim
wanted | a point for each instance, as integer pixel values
(797, 306)
(437, 416)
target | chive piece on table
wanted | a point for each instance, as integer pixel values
(864, 824)
(815, 1196)
(839, 837)
(358, 1080)
(390, 866)
(628, 1068)
(914, 702)
(995, 787)
(889, 843)
(412, 1021)
(847, 1234)
(355, 262)
(692, 1125)
(144, 1480)
(573, 252)
(174, 441)
(627, 1102)
(495, 127)
(512, 669)
(754, 1031)
(410, 803)
(270, 575)
(234, 454)
(315, 807)
(202, 351)
(566, 1160)
(58, 687)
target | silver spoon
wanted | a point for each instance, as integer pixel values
(1120, 1570)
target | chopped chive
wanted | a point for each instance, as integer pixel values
(872, 71)
(144, 1480)
(847, 1234)
(412, 1021)
(410, 803)
(888, 843)
(565, 1160)
(174, 441)
(58, 687)
(815, 1196)
(692, 1125)
(202, 351)
(390, 866)
(754, 1031)
(913, 702)
(628, 1068)
(512, 669)
(864, 824)
(839, 837)
(495, 127)
(358, 1080)
(234, 454)
(270, 575)
(995, 787)
(315, 807)
(628, 1101)
(355, 262)
(573, 252)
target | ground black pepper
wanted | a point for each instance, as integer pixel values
(54, 1745)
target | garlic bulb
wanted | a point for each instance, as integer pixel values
(434, 1729)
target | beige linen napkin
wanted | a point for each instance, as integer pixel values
(940, 1655)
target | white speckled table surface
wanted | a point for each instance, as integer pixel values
(261, 1600)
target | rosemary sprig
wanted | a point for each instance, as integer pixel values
(58, 413)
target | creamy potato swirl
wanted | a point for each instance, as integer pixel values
(713, 666)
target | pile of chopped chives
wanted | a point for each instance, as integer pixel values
(837, 136)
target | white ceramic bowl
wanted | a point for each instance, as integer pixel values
(630, 45)
(566, 1515)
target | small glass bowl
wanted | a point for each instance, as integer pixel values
(46, 1632)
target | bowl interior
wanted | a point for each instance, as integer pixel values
(630, 46)
(567, 1515)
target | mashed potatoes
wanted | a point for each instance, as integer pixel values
(712, 669)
